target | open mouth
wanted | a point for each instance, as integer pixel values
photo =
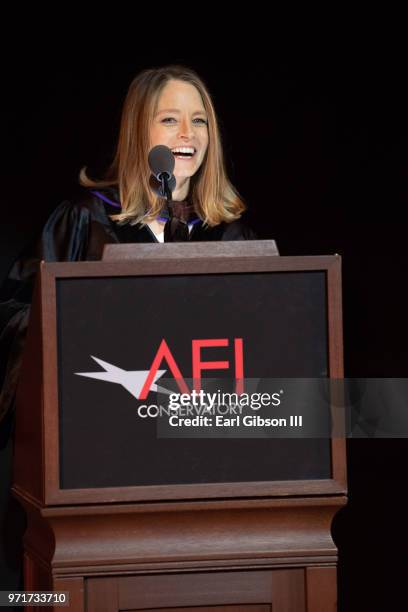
(184, 152)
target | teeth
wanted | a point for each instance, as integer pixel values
(184, 150)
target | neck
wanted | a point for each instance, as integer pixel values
(181, 191)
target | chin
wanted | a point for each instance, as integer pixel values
(183, 177)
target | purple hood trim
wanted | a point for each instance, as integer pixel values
(105, 199)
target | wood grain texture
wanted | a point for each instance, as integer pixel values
(255, 591)
(288, 589)
(321, 589)
(242, 248)
(218, 588)
(56, 496)
(28, 465)
(221, 264)
(113, 542)
(76, 589)
(102, 595)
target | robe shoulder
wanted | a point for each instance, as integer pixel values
(238, 230)
(70, 233)
(73, 226)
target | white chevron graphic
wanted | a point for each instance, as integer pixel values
(131, 380)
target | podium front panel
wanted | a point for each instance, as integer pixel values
(109, 328)
(282, 321)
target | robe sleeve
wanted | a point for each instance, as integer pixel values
(64, 238)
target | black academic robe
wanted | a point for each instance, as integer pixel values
(77, 230)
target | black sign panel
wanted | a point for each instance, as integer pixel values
(113, 327)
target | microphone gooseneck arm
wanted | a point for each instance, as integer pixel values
(165, 187)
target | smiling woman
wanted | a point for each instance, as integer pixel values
(170, 106)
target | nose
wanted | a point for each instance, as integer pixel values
(186, 130)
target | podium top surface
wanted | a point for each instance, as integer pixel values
(242, 248)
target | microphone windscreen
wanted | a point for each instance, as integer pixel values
(161, 160)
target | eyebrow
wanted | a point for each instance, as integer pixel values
(175, 110)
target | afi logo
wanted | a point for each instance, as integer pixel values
(140, 382)
(198, 364)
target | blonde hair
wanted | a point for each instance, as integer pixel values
(215, 199)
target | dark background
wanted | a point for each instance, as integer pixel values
(316, 143)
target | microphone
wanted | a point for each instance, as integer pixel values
(161, 162)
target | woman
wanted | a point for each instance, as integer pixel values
(169, 106)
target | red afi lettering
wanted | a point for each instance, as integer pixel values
(199, 365)
(163, 353)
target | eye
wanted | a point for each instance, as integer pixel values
(198, 120)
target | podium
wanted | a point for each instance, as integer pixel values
(125, 519)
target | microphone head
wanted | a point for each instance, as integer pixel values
(161, 160)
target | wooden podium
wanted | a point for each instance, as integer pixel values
(126, 520)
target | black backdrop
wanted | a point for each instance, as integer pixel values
(316, 144)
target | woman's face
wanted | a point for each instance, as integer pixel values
(181, 121)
